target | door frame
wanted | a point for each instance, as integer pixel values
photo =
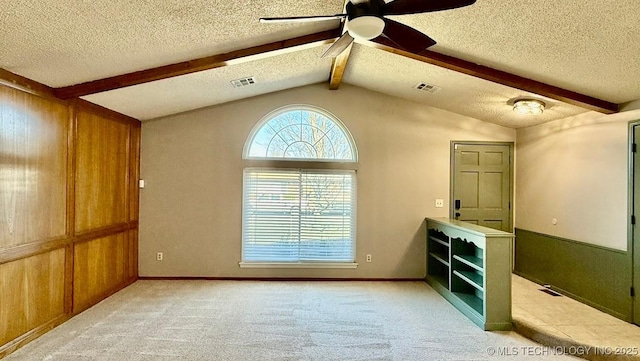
(633, 244)
(452, 157)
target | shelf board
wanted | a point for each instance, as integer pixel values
(446, 244)
(441, 279)
(440, 257)
(471, 261)
(475, 302)
(472, 278)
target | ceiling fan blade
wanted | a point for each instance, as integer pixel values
(303, 19)
(339, 46)
(402, 7)
(384, 40)
(407, 37)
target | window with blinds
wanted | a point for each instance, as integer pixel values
(292, 214)
(298, 215)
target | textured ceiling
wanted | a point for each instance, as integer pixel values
(201, 89)
(459, 93)
(64, 42)
(589, 47)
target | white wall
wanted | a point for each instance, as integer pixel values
(192, 164)
(575, 170)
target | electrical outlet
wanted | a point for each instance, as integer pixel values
(439, 203)
(368, 258)
(159, 256)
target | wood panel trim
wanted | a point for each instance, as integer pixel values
(32, 249)
(500, 77)
(134, 276)
(95, 109)
(33, 87)
(197, 65)
(18, 82)
(94, 300)
(71, 209)
(104, 231)
(134, 172)
(133, 193)
(125, 255)
(127, 200)
(31, 335)
(68, 279)
(42, 246)
(72, 137)
(127, 177)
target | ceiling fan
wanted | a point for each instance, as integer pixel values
(366, 20)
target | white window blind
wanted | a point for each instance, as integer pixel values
(294, 215)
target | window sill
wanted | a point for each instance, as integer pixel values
(297, 265)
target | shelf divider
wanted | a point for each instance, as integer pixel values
(440, 257)
(446, 244)
(472, 278)
(471, 261)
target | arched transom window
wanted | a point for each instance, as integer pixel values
(301, 132)
(302, 211)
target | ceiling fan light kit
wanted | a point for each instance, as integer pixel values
(365, 27)
(528, 106)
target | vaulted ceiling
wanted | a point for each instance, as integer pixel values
(154, 58)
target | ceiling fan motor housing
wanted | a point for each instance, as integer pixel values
(365, 19)
(365, 8)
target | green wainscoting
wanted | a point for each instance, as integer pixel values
(597, 276)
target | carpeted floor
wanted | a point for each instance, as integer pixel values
(274, 320)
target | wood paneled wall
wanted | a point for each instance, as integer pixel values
(68, 209)
(33, 168)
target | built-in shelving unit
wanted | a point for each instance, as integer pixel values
(470, 266)
(439, 253)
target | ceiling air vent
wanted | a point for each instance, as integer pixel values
(427, 87)
(239, 83)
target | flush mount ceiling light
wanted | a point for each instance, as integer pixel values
(528, 106)
(365, 27)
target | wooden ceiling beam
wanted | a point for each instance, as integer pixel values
(338, 67)
(500, 77)
(19, 82)
(339, 63)
(197, 65)
(337, 71)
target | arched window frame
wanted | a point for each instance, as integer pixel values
(312, 163)
(306, 166)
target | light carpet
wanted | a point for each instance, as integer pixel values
(276, 320)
